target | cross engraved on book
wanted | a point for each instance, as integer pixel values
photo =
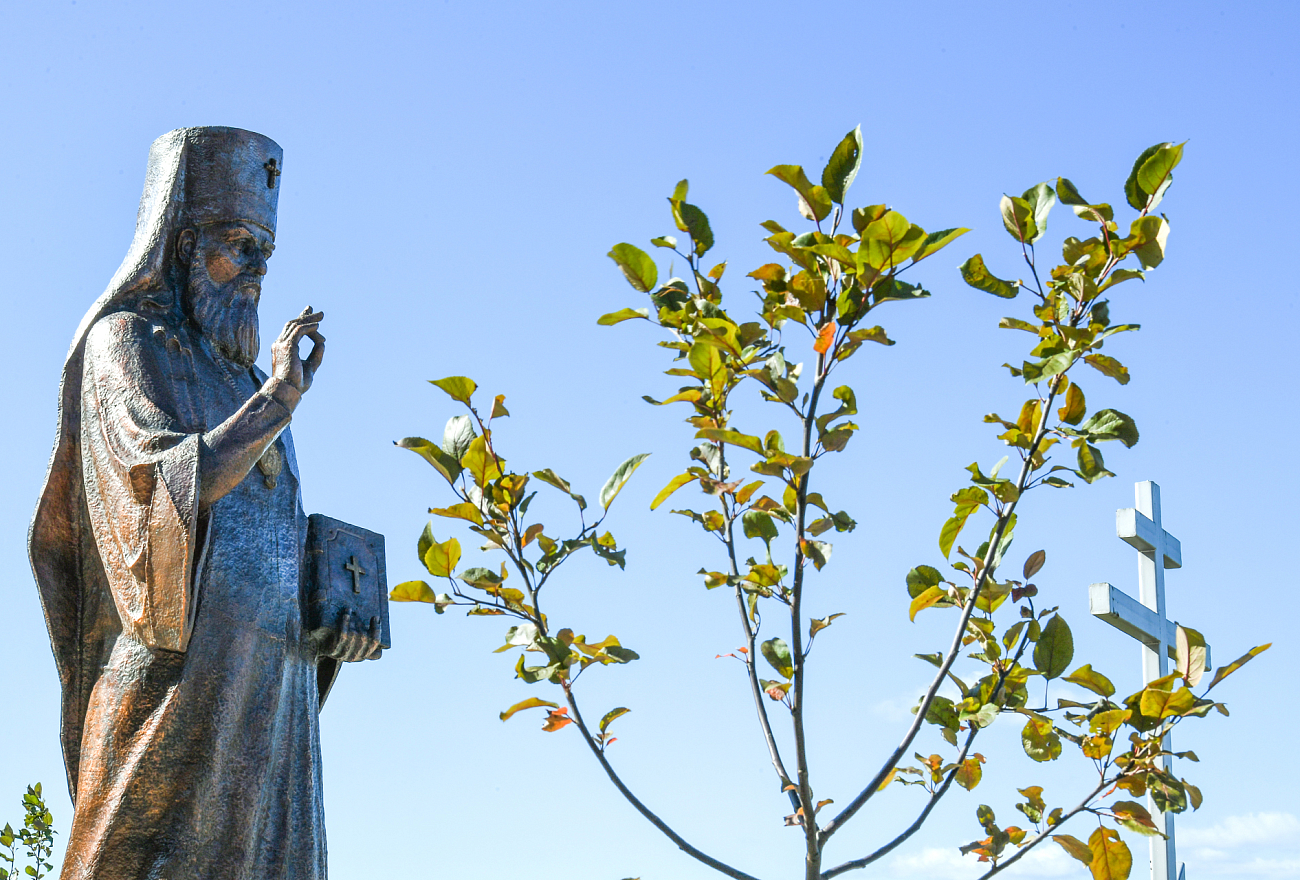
(357, 571)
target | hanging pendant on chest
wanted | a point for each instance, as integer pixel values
(271, 464)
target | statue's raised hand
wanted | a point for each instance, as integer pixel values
(286, 363)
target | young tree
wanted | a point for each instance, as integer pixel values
(816, 306)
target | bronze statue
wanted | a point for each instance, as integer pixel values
(171, 548)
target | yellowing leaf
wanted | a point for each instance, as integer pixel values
(441, 559)
(1075, 847)
(459, 387)
(530, 703)
(1111, 859)
(413, 591)
(482, 465)
(924, 600)
(463, 510)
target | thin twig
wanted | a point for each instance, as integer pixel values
(654, 820)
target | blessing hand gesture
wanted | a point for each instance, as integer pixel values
(286, 363)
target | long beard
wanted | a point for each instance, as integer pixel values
(227, 316)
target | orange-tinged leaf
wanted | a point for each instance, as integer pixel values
(532, 532)
(888, 779)
(825, 336)
(557, 718)
(530, 703)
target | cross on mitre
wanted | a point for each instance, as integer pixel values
(1146, 621)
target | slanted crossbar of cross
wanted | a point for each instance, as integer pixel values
(1146, 621)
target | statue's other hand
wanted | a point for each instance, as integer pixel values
(286, 363)
(349, 645)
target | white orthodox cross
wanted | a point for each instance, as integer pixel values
(1146, 622)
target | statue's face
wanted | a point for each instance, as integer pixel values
(226, 263)
(235, 254)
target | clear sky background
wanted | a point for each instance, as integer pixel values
(454, 176)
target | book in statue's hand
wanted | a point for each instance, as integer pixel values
(345, 573)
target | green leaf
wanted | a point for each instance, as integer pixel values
(777, 653)
(759, 525)
(1155, 173)
(1109, 424)
(480, 577)
(819, 552)
(673, 485)
(622, 315)
(1086, 677)
(457, 436)
(1054, 649)
(936, 241)
(619, 478)
(1091, 466)
(921, 579)
(1069, 195)
(550, 477)
(1040, 198)
(735, 438)
(1153, 235)
(458, 387)
(637, 266)
(707, 362)
(843, 165)
(691, 219)
(1135, 817)
(430, 452)
(1018, 218)
(1040, 739)
(664, 241)
(611, 716)
(974, 273)
(814, 201)
(530, 703)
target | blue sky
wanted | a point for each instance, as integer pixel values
(454, 176)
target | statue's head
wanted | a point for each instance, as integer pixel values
(226, 233)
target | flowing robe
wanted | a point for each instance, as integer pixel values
(199, 756)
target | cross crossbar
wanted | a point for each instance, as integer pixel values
(1140, 533)
(1131, 617)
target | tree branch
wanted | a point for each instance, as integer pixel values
(1047, 832)
(873, 786)
(750, 668)
(654, 820)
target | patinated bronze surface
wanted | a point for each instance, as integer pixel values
(169, 546)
